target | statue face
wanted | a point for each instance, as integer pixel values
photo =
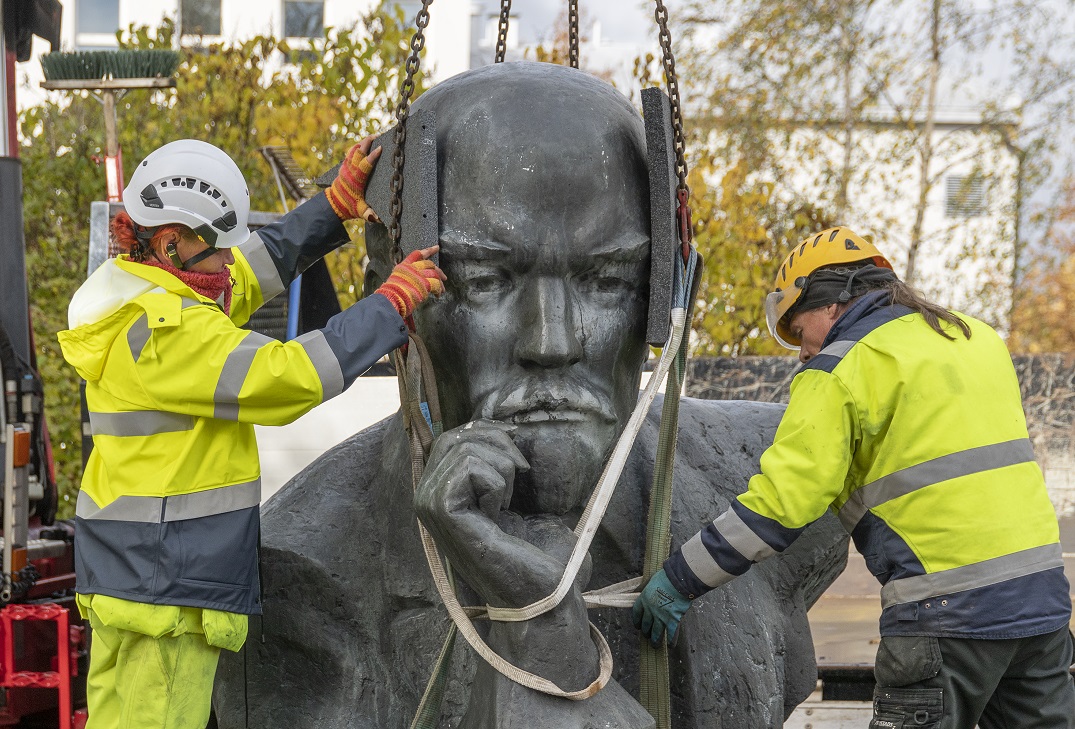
(545, 241)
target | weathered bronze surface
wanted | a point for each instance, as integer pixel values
(538, 346)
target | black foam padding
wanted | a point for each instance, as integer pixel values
(661, 159)
(419, 222)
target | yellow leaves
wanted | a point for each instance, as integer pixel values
(1042, 312)
(743, 232)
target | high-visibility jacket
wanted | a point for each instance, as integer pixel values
(168, 508)
(919, 444)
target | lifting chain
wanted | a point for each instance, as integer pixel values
(403, 110)
(573, 32)
(502, 31)
(686, 232)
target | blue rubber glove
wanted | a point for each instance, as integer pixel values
(659, 609)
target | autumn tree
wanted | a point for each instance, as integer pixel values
(1042, 318)
(744, 232)
(838, 104)
(318, 100)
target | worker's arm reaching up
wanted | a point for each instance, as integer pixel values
(267, 263)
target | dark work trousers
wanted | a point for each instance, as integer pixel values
(955, 683)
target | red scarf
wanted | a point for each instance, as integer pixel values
(210, 285)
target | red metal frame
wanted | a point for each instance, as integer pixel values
(66, 654)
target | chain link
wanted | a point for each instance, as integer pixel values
(502, 31)
(573, 32)
(403, 110)
(669, 62)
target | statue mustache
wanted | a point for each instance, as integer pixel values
(564, 401)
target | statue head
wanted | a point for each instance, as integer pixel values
(544, 234)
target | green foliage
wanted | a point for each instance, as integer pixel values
(318, 100)
(743, 232)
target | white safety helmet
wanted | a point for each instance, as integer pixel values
(193, 183)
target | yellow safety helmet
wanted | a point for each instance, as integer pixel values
(827, 248)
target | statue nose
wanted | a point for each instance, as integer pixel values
(549, 336)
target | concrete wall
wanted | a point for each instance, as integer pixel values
(1047, 382)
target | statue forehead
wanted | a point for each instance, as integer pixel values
(524, 144)
(526, 105)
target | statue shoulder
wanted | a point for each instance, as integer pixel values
(339, 489)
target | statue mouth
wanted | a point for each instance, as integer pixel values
(543, 415)
(532, 406)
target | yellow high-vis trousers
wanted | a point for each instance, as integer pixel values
(139, 682)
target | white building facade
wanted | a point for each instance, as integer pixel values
(92, 25)
(968, 241)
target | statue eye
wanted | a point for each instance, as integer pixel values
(486, 284)
(608, 280)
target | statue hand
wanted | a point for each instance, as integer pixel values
(471, 471)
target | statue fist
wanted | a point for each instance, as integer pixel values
(471, 471)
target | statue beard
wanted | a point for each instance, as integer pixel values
(565, 464)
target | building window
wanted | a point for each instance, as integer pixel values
(199, 17)
(98, 16)
(964, 196)
(304, 18)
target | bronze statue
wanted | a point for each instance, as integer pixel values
(538, 346)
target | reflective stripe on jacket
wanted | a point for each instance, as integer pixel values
(920, 445)
(168, 507)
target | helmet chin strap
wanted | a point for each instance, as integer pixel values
(173, 255)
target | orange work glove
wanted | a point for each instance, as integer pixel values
(412, 281)
(347, 193)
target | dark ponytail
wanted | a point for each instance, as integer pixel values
(904, 295)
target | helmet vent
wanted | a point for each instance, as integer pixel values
(203, 187)
(150, 198)
(834, 234)
(215, 194)
(177, 181)
(225, 222)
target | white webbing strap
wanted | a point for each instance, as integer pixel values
(606, 486)
(463, 623)
(410, 389)
(622, 594)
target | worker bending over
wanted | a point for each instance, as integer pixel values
(906, 420)
(167, 516)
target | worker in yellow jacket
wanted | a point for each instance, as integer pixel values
(167, 515)
(906, 420)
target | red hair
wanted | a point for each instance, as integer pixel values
(124, 237)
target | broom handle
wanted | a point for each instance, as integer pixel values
(113, 165)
